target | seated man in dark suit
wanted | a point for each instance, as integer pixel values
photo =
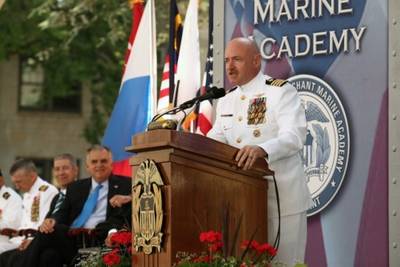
(86, 205)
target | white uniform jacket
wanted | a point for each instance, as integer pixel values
(43, 193)
(10, 213)
(35, 205)
(10, 208)
(272, 117)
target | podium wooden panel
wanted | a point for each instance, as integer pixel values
(200, 179)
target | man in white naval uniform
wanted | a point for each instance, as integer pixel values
(264, 118)
(37, 196)
(10, 212)
(65, 172)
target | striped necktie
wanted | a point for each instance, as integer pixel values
(60, 200)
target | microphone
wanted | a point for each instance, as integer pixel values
(213, 93)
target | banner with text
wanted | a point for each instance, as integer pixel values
(335, 54)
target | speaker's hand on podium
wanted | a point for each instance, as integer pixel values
(247, 155)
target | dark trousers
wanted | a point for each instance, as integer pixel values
(6, 257)
(45, 250)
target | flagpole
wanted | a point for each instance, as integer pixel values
(153, 61)
(171, 50)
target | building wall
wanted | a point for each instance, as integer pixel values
(36, 134)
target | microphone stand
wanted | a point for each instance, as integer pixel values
(170, 124)
(173, 124)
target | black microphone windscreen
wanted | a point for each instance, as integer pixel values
(217, 92)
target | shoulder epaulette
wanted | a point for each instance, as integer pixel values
(6, 195)
(275, 82)
(43, 188)
(232, 89)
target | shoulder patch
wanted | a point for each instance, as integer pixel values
(232, 89)
(6, 195)
(275, 82)
(43, 188)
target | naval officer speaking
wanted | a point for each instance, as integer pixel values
(264, 118)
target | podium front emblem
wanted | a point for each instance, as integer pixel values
(147, 213)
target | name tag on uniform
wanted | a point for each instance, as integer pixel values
(226, 115)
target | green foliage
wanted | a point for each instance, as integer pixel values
(79, 42)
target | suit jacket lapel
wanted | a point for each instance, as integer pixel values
(83, 193)
(113, 189)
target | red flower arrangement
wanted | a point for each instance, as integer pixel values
(117, 254)
(213, 240)
(122, 238)
(254, 255)
(259, 248)
(112, 259)
(121, 255)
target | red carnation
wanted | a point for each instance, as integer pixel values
(272, 251)
(111, 259)
(216, 246)
(263, 248)
(253, 245)
(121, 238)
(210, 237)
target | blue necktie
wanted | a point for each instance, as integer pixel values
(88, 208)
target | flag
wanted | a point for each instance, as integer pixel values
(168, 78)
(188, 69)
(163, 97)
(135, 103)
(204, 120)
(137, 7)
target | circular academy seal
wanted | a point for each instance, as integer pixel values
(326, 151)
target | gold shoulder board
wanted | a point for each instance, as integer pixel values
(43, 188)
(275, 82)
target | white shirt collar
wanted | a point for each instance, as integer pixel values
(95, 184)
(251, 85)
(35, 186)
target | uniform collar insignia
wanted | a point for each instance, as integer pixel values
(6, 195)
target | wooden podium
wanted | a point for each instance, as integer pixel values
(201, 182)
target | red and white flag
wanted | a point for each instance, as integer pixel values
(165, 98)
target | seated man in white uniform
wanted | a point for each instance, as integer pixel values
(264, 118)
(37, 196)
(10, 213)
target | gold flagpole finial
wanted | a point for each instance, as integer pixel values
(132, 2)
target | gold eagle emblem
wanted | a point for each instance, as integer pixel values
(147, 213)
